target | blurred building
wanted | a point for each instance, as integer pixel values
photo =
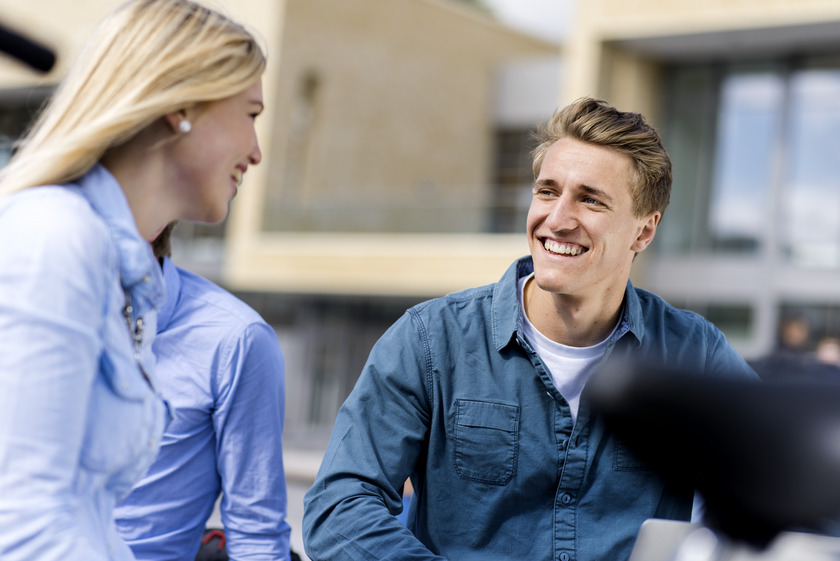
(395, 168)
(747, 95)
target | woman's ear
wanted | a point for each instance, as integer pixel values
(178, 121)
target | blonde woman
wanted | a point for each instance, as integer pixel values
(154, 123)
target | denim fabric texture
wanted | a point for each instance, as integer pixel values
(453, 397)
(79, 423)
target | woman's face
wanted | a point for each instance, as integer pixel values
(212, 158)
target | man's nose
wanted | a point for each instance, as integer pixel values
(563, 214)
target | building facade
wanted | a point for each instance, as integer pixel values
(395, 168)
(747, 96)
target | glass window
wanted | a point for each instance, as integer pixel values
(811, 199)
(17, 111)
(756, 154)
(749, 122)
(514, 177)
(687, 136)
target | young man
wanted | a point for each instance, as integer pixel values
(476, 396)
(220, 368)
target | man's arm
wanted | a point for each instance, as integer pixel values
(249, 447)
(350, 511)
(725, 360)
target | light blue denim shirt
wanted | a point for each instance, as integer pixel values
(220, 367)
(454, 397)
(79, 424)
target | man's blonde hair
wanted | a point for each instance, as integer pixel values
(593, 121)
(148, 58)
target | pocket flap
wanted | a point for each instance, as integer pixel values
(491, 415)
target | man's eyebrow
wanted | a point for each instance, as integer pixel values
(599, 193)
(545, 183)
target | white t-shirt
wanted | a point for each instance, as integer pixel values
(570, 367)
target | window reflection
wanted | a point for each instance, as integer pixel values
(749, 121)
(811, 208)
(764, 172)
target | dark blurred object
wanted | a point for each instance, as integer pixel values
(26, 50)
(765, 457)
(213, 547)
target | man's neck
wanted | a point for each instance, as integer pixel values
(569, 320)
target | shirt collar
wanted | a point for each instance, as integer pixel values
(139, 271)
(506, 316)
(505, 307)
(172, 281)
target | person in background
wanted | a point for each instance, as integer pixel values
(477, 396)
(221, 369)
(793, 358)
(153, 123)
(828, 351)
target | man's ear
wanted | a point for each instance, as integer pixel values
(646, 232)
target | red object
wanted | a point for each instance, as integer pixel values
(214, 534)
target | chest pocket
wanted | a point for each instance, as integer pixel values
(486, 441)
(625, 460)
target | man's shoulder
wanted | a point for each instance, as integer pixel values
(455, 302)
(658, 310)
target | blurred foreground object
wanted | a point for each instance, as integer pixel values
(671, 540)
(26, 50)
(765, 457)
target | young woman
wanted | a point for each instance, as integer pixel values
(154, 123)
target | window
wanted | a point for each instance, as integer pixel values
(17, 111)
(513, 179)
(756, 154)
(811, 201)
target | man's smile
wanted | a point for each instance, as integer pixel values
(564, 248)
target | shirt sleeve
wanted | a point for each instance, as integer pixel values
(249, 447)
(350, 511)
(52, 296)
(724, 359)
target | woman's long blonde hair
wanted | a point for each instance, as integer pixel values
(147, 59)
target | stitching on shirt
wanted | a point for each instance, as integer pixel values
(510, 468)
(427, 354)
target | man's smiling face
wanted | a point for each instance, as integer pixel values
(581, 228)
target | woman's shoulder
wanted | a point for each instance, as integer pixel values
(53, 224)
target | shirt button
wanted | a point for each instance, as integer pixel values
(566, 498)
(151, 442)
(147, 278)
(564, 557)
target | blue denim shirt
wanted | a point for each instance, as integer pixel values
(220, 367)
(79, 424)
(454, 397)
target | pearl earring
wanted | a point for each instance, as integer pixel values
(185, 126)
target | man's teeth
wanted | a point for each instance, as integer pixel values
(563, 248)
(237, 176)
